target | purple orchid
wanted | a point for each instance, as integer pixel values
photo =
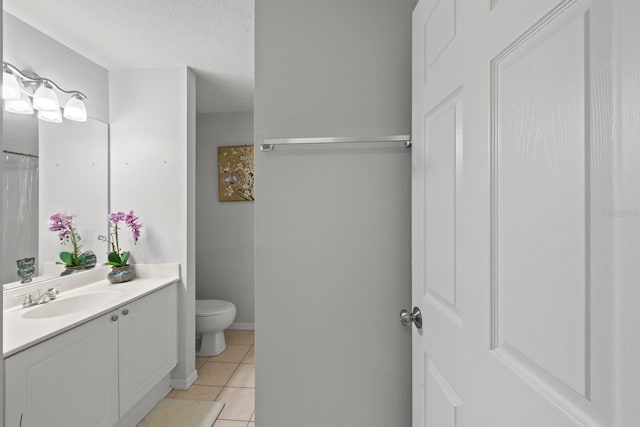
(117, 257)
(63, 225)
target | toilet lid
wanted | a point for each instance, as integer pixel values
(211, 307)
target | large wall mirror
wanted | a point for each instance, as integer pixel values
(50, 168)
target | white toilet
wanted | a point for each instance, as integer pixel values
(213, 316)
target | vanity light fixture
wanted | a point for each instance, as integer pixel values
(45, 98)
(19, 86)
(75, 109)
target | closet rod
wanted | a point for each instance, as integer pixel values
(20, 154)
(270, 144)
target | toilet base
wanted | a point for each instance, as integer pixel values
(212, 344)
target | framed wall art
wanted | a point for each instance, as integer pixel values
(235, 173)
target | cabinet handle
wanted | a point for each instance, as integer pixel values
(114, 317)
(125, 311)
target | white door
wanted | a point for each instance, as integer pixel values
(526, 213)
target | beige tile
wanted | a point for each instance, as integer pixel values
(253, 416)
(233, 353)
(229, 423)
(215, 373)
(198, 392)
(251, 356)
(244, 376)
(239, 403)
(251, 424)
(201, 361)
(233, 336)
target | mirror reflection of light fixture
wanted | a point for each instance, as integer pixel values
(10, 86)
(19, 86)
(22, 105)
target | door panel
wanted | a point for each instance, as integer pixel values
(443, 134)
(441, 401)
(513, 249)
(540, 213)
(439, 31)
(552, 176)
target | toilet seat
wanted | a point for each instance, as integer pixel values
(213, 307)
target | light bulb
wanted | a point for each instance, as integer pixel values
(50, 116)
(45, 99)
(74, 109)
(10, 86)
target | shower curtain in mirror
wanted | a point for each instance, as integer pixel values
(20, 213)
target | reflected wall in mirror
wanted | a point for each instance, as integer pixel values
(74, 179)
(20, 192)
(65, 170)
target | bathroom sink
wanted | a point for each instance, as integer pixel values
(69, 305)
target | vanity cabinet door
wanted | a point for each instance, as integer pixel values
(70, 380)
(148, 344)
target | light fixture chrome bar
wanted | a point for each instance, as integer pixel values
(15, 153)
(37, 79)
(270, 144)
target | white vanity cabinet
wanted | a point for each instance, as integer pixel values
(93, 374)
(147, 337)
(70, 380)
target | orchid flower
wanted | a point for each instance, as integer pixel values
(117, 257)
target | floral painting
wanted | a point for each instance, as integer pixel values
(235, 173)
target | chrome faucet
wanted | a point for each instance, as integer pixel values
(43, 298)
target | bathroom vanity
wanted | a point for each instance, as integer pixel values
(98, 355)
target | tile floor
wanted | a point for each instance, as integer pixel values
(229, 378)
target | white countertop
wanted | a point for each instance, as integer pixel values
(21, 331)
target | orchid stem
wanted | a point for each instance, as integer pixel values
(116, 249)
(74, 242)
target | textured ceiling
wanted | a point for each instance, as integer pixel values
(213, 37)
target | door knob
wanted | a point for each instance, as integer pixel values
(415, 316)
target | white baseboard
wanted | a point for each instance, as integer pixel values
(244, 326)
(182, 384)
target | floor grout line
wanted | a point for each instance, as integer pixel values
(226, 385)
(231, 376)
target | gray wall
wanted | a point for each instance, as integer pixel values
(225, 243)
(332, 223)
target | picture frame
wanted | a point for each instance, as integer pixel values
(236, 173)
